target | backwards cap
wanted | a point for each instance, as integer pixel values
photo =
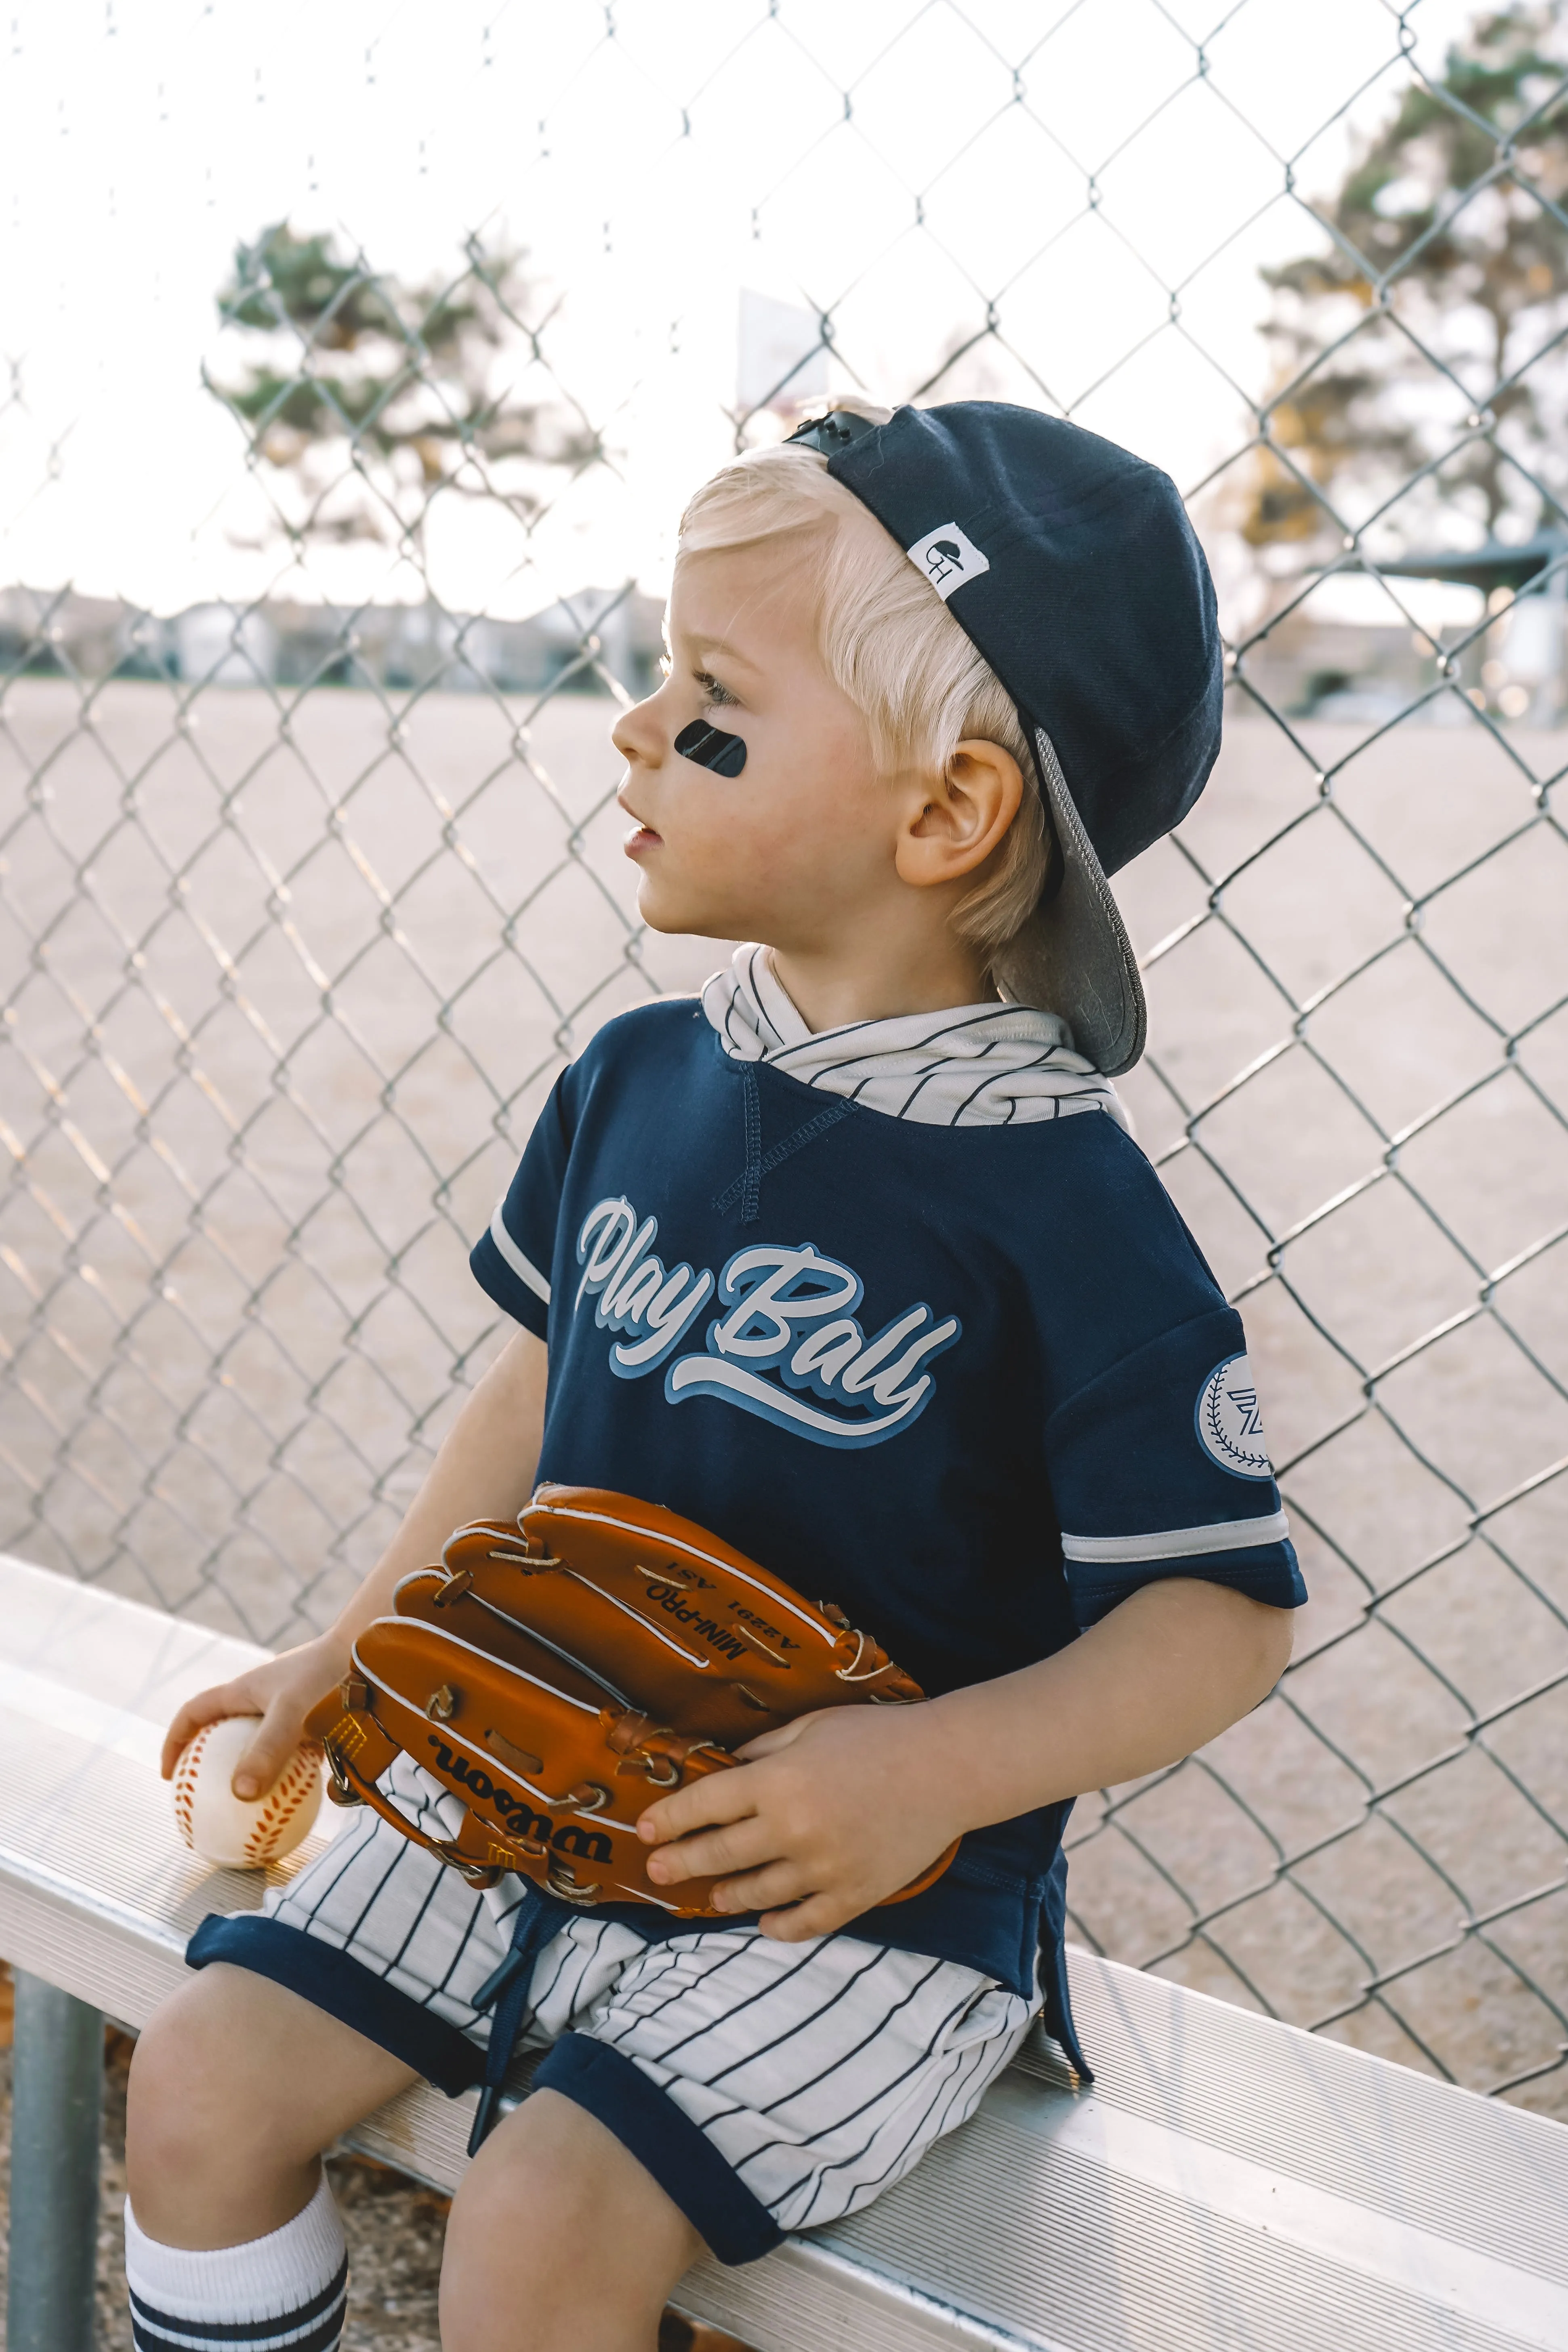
(1072, 567)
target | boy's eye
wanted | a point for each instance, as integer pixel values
(712, 690)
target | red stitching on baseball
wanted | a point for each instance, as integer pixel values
(287, 1795)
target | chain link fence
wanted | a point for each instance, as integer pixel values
(310, 881)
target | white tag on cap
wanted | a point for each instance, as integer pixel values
(947, 558)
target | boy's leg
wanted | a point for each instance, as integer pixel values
(255, 2065)
(235, 2087)
(767, 2087)
(763, 2088)
(230, 2228)
(559, 2240)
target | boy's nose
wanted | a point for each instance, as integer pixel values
(637, 735)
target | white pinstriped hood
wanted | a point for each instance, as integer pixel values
(968, 1065)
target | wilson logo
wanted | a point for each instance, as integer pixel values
(518, 1815)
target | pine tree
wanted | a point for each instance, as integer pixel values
(375, 397)
(1430, 334)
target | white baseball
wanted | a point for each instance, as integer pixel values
(243, 1833)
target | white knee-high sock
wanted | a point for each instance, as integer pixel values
(283, 2293)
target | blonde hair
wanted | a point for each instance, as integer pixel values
(891, 643)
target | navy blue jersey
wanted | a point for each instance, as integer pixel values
(975, 1384)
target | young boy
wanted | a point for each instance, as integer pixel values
(855, 1262)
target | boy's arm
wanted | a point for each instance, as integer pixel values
(1157, 1677)
(483, 1470)
(836, 1811)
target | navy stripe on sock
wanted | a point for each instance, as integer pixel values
(325, 2338)
(266, 2335)
(665, 2142)
(238, 2331)
(334, 1981)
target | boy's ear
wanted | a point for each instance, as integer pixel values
(955, 823)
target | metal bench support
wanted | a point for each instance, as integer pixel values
(56, 2106)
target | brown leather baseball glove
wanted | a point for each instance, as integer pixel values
(557, 1672)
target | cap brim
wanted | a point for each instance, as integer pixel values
(1073, 953)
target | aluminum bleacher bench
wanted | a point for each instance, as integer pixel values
(1229, 2183)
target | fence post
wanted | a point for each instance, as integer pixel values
(56, 2107)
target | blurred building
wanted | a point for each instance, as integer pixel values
(1511, 658)
(568, 646)
(1516, 666)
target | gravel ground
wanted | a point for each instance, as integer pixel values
(395, 2230)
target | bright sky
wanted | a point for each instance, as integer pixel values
(908, 162)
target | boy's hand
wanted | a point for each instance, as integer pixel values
(828, 1816)
(282, 1691)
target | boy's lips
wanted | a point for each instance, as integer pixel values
(641, 837)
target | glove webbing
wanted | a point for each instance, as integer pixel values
(505, 1992)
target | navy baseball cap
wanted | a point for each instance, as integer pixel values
(1071, 565)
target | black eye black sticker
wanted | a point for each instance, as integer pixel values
(711, 747)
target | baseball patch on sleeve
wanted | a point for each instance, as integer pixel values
(1228, 1421)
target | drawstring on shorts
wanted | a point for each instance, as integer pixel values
(505, 1993)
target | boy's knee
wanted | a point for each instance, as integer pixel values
(236, 2069)
(173, 2066)
(557, 2211)
(194, 2091)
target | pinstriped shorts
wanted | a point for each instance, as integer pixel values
(817, 2072)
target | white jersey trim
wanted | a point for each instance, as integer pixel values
(1177, 1543)
(523, 1268)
